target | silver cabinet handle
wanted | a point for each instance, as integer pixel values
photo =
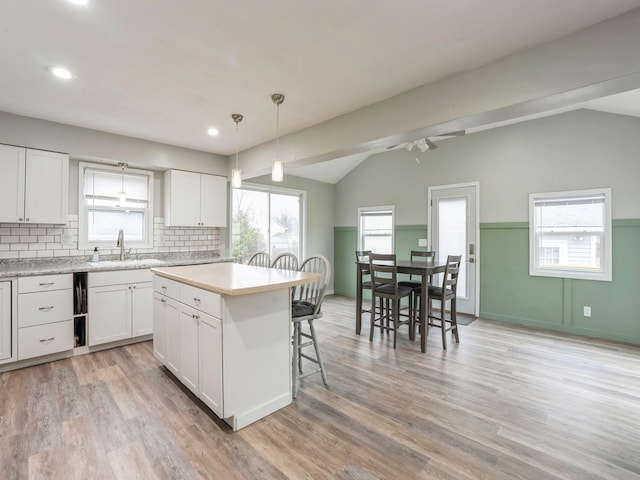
(196, 300)
(47, 340)
(47, 284)
(27, 219)
(46, 309)
(20, 219)
(163, 300)
(164, 289)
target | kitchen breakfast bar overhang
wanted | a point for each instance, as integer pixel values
(224, 330)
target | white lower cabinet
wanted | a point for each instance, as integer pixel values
(5, 321)
(45, 315)
(189, 342)
(210, 353)
(120, 305)
(192, 348)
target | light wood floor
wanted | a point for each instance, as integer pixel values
(506, 403)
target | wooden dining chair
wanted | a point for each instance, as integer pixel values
(384, 276)
(363, 283)
(260, 259)
(285, 261)
(446, 293)
(416, 285)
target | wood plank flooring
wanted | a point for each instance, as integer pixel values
(506, 403)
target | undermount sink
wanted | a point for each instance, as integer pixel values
(150, 262)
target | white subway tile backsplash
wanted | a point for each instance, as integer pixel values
(44, 240)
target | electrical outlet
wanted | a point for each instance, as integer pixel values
(422, 242)
(587, 311)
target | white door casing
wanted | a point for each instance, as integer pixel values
(453, 212)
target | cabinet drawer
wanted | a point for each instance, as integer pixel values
(45, 339)
(119, 277)
(44, 307)
(199, 299)
(167, 287)
(43, 283)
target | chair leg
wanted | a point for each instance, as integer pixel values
(443, 323)
(372, 322)
(299, 347)
(294, 359)
(454, 320)
(318, 356)
(396, 317)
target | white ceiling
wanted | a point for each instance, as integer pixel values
(166, 70)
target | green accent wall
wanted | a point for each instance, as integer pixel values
(508, 293)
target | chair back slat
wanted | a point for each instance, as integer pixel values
(285, 261)
(451, 272)
(314, 292)
(362, 257)
(383, 268)
(260, 259)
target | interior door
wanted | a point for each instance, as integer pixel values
(453, 230)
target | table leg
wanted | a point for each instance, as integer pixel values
(358, 299)
(424, 302)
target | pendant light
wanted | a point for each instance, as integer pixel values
(236, 173)
(277, 168)
(122, 195)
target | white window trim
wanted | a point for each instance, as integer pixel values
(83, 244)
(607, 258)
(362, 210)
(278, 190)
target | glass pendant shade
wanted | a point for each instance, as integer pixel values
(236, 178)
(236, 173)
(277, 171)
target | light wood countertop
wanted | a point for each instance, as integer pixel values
(235, 279)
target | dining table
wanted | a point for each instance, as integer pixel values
(423, 268)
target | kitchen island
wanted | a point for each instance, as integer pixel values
(224, 330)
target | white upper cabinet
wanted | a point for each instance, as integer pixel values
(194, 199)
(34, 186)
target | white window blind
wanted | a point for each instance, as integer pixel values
(104, 187)
(571, 234)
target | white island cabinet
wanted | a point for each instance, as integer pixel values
(232, 344)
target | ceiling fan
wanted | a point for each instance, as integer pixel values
(425, 144)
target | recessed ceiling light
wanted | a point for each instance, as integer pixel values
(79, 2)
(61, 72)
(213, 131)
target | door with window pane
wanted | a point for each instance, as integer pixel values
(265, 221)
(452, 231)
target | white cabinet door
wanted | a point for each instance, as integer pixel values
(46, 187)
(160, 327)
(210, 348)
(181, 198)
(12, 165)
(172, 312)
(141, 309)
(213, 201)
(189, 358)
(5, 320)
(109, 314)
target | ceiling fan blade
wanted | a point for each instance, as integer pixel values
(457, 133)
(430, 144)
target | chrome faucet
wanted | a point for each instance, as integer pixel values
(121, 243)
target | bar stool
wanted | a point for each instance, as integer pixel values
(384, 275)
(363, 282)
(306, 306)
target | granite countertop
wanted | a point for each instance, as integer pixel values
(234, 278)
(28, 267)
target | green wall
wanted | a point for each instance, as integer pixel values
(508, 293)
